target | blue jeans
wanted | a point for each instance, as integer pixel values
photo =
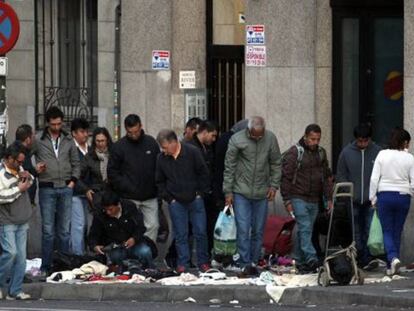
(142, 252)
(305, 213)
(13, 240)
(78, 224)
(181, 214)
(393, 209)
(250, 221)
(55, 207)
(362, 221)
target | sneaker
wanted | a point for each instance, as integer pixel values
(372, 265)
(19, 296)
(204, 267)
(395, 266)
(180, 269)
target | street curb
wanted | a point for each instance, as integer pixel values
(337, 295)
(148, 293)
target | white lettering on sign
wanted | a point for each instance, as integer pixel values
(255, 56)
(160, 60)
(255, 34)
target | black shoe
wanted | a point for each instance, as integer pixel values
(371, 266)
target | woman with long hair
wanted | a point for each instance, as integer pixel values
(94, 168)
(392, 184)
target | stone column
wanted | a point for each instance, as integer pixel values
(284, 91)
(407, 252)
(106, 62)
(323, 72)
(145, 26)
(188, 52)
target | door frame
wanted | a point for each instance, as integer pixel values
(365, 11)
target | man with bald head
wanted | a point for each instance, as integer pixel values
(251, 178)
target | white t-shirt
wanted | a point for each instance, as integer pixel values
(393, 171)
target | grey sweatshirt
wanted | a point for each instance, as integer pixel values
(355, 165)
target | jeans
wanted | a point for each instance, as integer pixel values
(393, 209)
(78, 224)
(250, 216)
(305, 213)
(181, 214)
(362, 221)
(142, 252)
(55, 208)
(13, 240)
(149, 209)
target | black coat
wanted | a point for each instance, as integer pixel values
(91, 176)
(106, 229)
(184, 178)
(131, 167)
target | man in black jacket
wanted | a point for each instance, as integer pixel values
(182, 180)
(131, 171)
(25, 135)
(204, 139)
(120, 227)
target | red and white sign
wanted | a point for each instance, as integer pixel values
(9, 28)
(255, 56)
(255, 34)
(160, 60)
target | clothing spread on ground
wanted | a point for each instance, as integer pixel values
(276, 279)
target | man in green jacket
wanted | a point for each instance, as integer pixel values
(251, 178)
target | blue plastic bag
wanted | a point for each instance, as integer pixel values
(225, 233)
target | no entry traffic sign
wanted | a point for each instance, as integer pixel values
(9, 28)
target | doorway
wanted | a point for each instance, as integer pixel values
(368, 70)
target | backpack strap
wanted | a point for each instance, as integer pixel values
(300, 150)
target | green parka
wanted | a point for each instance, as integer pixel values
(251, 166)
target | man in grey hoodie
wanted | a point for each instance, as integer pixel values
(355, 165)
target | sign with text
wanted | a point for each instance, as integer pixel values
(255, 56)
(160, 60)
(187, 79)
(255, 34)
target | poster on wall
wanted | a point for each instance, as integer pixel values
(255, 56)
(255, 34)
(187, 79)
(160, 60)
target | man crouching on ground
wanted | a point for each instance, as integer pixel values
(121, 225)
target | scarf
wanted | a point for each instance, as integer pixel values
(103, 158)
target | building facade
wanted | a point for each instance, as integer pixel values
(333, 62)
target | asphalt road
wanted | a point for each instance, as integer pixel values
(124, 306)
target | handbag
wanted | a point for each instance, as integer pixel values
(225, 233)
(375, 239)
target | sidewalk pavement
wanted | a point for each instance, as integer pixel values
(398, 294)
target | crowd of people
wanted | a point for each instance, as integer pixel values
(105, 197)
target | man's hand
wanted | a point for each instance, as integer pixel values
(40, 167)
(129, 243)
(330, 206)
(24, 184)
(98, 249)
(24, 174)
(71, 184)
(89, 195)
(271, 194)
(229, 199)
